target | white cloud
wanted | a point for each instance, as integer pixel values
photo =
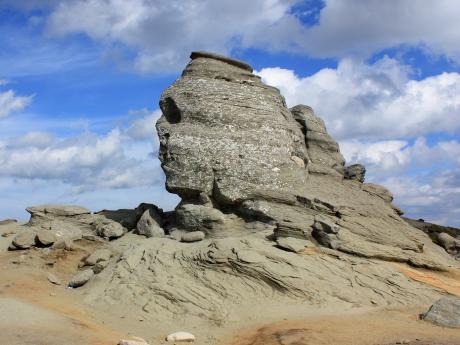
(357, 28)
(10, 102)
(387, 156)
(112, 170)
(163, 32)
(377, 101)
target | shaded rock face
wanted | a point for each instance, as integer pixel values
(323, 151)
(229, 142)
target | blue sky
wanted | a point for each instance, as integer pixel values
(80, 82)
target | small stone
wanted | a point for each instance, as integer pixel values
(24, 240)
(46, 237)
(81, 278)
(97, 256)
(53, 279)
(293, 244)
(133, 341)
(176, 234)
(109, 229)
(180, 337)
(64, 243)
(99, 267)
(193, 236)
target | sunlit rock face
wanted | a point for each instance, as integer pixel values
(227, 135)
(228, 142)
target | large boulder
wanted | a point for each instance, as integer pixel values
(229, 145)
(227, 135)
(445, 312)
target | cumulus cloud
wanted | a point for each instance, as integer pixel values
(163, 32)
(378, 101)
(10, 102)
(85, 161)
(357, 28)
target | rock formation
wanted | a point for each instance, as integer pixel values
(230, 146)
(270, 217)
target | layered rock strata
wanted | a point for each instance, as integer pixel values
(229, 145)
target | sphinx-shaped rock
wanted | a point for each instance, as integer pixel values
(229, 141)
(227, 135)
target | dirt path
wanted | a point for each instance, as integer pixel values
(35, 312)
(378, 328)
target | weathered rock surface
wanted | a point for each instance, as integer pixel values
(45, 237)
(81, 278)
(97, 256)
(293, 244)
(178, 337)
(445, 312)
(149, 223)
(53, 279)
(193, 236)
(449, 243)
(229, 139)
(24, 240)
(323, 151)
(108, 228)
(161, 279)
(355, 172)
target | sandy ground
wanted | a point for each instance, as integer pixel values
(35, 312)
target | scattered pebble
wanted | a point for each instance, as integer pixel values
(181, 337)
(53, 279)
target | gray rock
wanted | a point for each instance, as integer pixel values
(355, 172)
(59, 210)
(193, 236)
(445, 312)
(63, 243)
(45, 237)
(229, 144)
(225, 134)
(149, 224)
(126, 217)
(199, 217)
(293, 244)
(176, 234)
(25, 239)
(97, 256)
(323, 151)
(449, 243)
(100, 266)
(108, 229)
(81, 278)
